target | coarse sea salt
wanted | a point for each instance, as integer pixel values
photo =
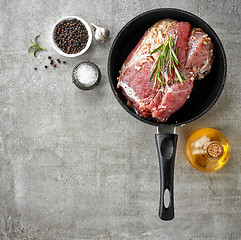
(86, 75)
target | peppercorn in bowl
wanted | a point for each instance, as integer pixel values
(71, 36)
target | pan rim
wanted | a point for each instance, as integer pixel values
(222, 52)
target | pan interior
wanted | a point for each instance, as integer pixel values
(205, 92)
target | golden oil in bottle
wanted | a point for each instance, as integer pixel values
(207, 150)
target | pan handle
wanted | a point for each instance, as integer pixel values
(166, 148)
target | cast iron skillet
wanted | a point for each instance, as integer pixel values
(205, 92)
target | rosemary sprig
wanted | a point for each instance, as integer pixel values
(35, 46)
(168, 53)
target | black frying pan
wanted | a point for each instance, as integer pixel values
(205, 92)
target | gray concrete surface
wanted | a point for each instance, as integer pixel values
(75, 165)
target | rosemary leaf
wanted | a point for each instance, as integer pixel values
(36, 38)
(30, 47)
(157, 49)
(179, 76)
(34, 53)
(173, 54)
(174, 46)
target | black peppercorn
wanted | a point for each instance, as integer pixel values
(46, 66)
(49, 57)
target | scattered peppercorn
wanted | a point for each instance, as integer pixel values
(35, 68)
(49, 57)
(58, 60)
(46, 66)
(54, 65)
(71, 36)
(64, 62)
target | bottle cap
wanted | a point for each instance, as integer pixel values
(214, 149)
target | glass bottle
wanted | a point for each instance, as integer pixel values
(207, 150)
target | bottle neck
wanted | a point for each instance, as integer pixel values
(214, 149)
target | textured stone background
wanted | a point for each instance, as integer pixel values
(75, 165)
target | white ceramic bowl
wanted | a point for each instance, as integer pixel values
(89, 37)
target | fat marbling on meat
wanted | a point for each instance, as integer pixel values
(195, 54)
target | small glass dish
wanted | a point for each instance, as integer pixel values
(86, 86)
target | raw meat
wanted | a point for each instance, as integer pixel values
(195, 54)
